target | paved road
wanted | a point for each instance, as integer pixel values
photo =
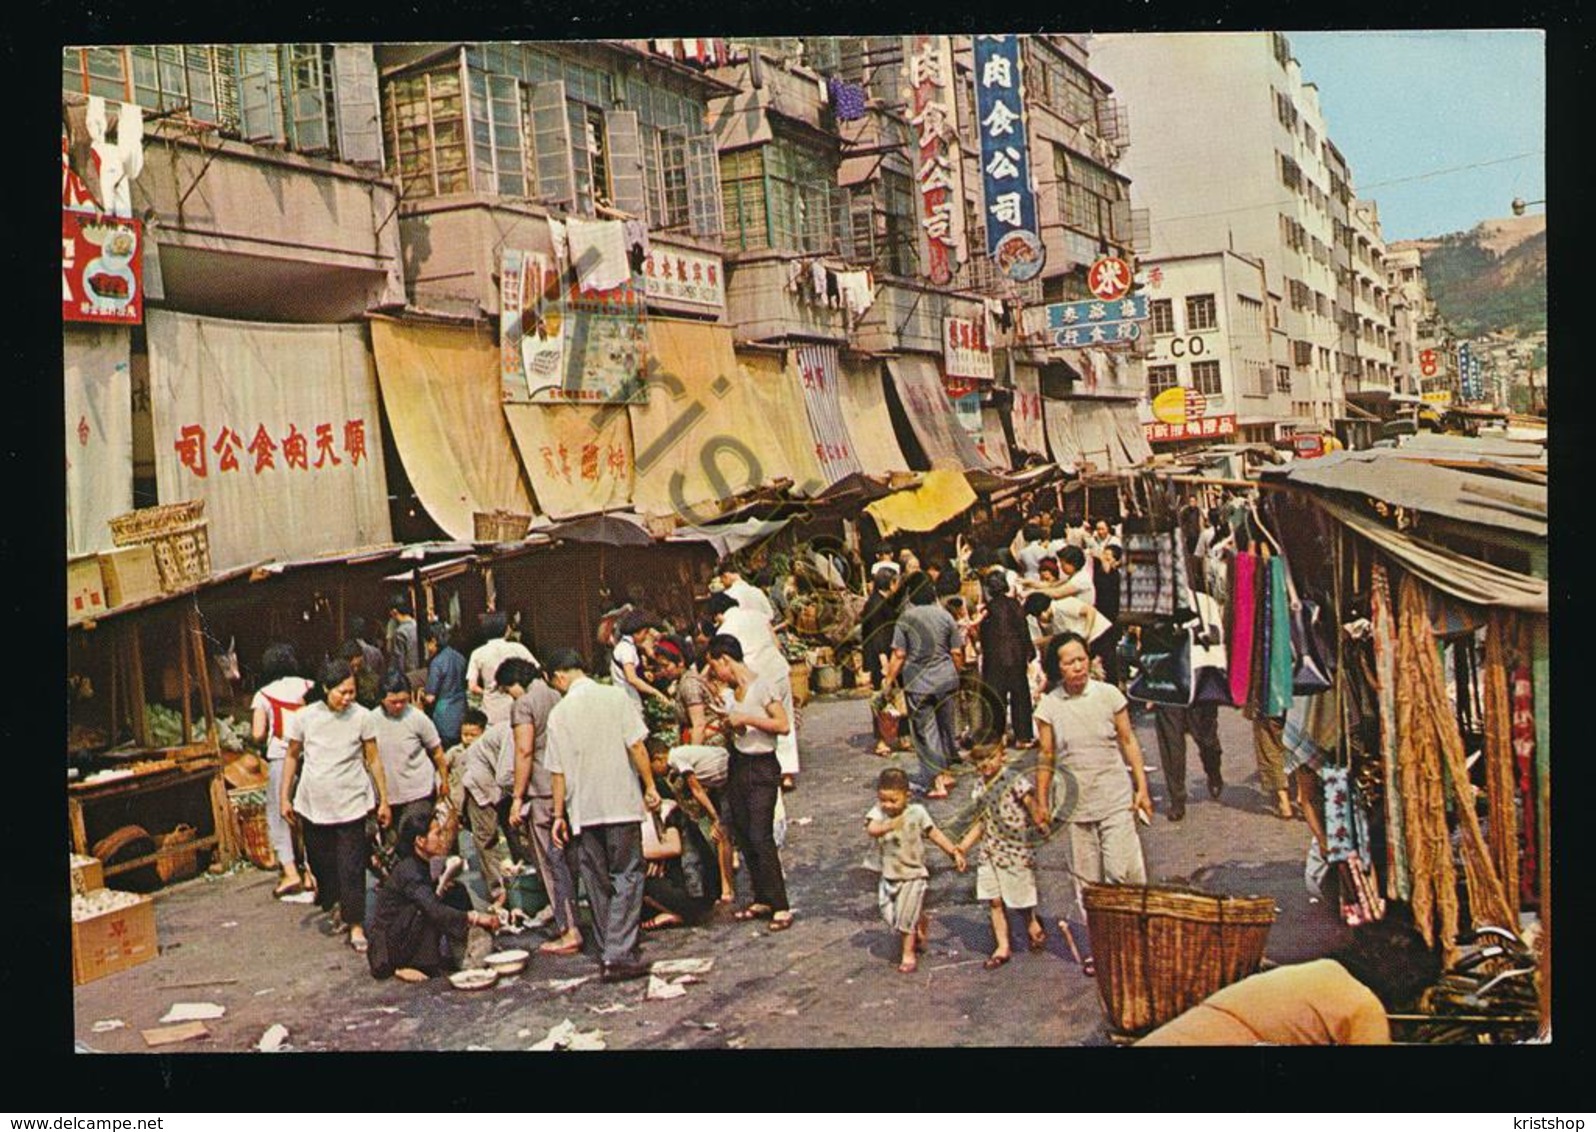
(829, 982)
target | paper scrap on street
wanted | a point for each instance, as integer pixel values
(612, 1008)
(229, 923)
(298, 898)
(274, 1037)
(701, 1025)
(566, 1036)
(802, 821)
(182, 1032)
(682, 967)
(558, 985)
(658, 988)
(106, 1025)
(193, 1012)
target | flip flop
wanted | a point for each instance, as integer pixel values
(993, 962)
(553, 948)
(293, 888)
(359, 946)
(908, 968)
(663, 920)
(1088, 968)
(780, 921)
(754, 912)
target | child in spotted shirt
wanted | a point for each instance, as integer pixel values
(1006, 875)
(901, 830)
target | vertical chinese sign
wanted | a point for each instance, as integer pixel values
(1013, 239)
(938, 168)
(531, 339)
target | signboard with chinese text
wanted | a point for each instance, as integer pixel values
(1026, 415)
(673, 275)
(1179, 404)
(966, 347)
(102, 269)
(939, 169)
(1061, 315)
(1109, 278)
(531, 346)
(1013, 239)
(1097, 334)
(1429, 364)
(819, 374)
(584, 347)
(1198, 429)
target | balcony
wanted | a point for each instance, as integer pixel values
(759, 306)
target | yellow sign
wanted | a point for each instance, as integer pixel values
(1178, 405)
(1439, 397)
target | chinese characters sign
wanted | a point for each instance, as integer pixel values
(674, 276)
(1109, 278)
(102, 269)
(938, 167)
(532, 351)
(1012, 239)
(1191, 429)
(966, 348)
(819, 373)
(1095, 322)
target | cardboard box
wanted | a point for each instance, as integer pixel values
(88, 876)
(113, 941)
(85, 589)
(129, 575)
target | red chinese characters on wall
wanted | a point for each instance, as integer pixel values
(592, 462)
(194, 446)
(1192, 429)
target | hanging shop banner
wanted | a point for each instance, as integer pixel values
(993, 443)
(1192, 428)
(1013, 239)
(99, 433)
(1131, 437)
(441, 388)
(1099, 439)
(944, 441)
(276, 428)
(819, 374)
(967, 411)
(864, 406)
(102, 269)
(1062, 440)
(578, 457)
(1026, 416)
(1179, 404)
(531, 346)
(939, 168)
(673, 275)
(966, 347)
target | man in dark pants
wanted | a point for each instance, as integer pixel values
(1202, 720)
(1005, 652)
(927, 650)
(596, 757)
(413, 932)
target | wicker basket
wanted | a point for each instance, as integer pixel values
(799, 678)
(249, 815)
(137, 527)
(181, 864)
(500, 526)
(1160, 951)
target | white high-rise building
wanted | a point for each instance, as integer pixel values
(1232, 155)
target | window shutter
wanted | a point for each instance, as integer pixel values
(551, 133)
(703, 185)
(627, 186)
(355, 104)
(260, 104)
(307, 98)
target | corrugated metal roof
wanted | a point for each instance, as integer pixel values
(1441, 447)
(1386, 474)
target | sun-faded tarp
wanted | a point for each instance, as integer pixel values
(864, 404)
(578, 457)
(711, 430)
(441, 387)
(1062, 440)
(99, 433)
(1132, 437)
(941, 495)
(994, 442)
(276, 427)
(1029, 433)
(776, 386)
(945, 442)
(818, 371)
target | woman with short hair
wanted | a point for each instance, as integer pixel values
(282, 693)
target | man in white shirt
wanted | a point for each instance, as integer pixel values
(484, 662)
(596, 756)
(762, 652)
(744, 593)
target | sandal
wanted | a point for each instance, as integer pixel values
(663, 920)
(993, 962)
(780, 921)
(554, 947)
(1088, 968)
(908, 967)
(754, 912)
(358, 945)
(291, 888)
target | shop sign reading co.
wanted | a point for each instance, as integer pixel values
(938, 166)
(1012, 237)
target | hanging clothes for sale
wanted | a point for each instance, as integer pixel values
(1312, 734)
(1338, 821)
(1240, 631)
(1277, 693)
(1385, 647)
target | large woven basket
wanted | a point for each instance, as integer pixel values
(500, 526)
(141, 526)
(1160, 951)
(249, 814)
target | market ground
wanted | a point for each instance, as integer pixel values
(829, 982)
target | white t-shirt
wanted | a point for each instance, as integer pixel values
(761, 651)
(1086, 749)
(707, 764)
(334, 785)
(404, 744)
(756, 698)
(749, 596)
(480, 668)
(1072, 615)
(625, 652)
(1030, 558)
(651, 842)
(285, 690)
(591, 732)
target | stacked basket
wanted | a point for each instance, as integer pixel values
(499, 526)
(177, 533)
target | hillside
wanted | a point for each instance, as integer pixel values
(1492, 278)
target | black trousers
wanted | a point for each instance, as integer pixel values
(337, 856)
(752, 785)
(1172, 723)
(1007, 693)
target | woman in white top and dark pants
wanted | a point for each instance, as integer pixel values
(755, 716)
(282, 694)
(337, 742)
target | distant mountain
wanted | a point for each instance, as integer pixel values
(1492, 278)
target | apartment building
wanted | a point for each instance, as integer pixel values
(1233, 154)
(1371, 303)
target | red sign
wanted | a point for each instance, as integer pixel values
(1427, 363)
(939, 172)
(102, 270)
(1109, 278)
(1192, 429)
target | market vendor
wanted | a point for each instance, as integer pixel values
(1339, 1000)
(413, 931)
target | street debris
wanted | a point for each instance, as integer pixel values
(193, 1012)
(565, 1036)
(298, 898)
(523, 1033)
(272, 1040)
(682, 967)
(802, 821)
(612, 1008)
(558, 985)
(268, 990)
(229, 923)
(479, 1049)
(736, 1043)
(182, 1032)
(701, 1025)
(658, 989)
(106, 1025)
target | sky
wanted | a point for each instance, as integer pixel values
(1402, 106)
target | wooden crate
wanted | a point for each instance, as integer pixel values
(88, 877)
(129, 575)
(113, 941)
(85, 589)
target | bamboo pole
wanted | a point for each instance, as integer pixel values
(184, 650)
(141, 722)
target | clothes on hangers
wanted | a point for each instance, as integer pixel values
(817, 281)
(598, 252)
(1277, 693)
(557, 239)
(833, 293)
(857, 291)
(795, 269)
(1243, 609)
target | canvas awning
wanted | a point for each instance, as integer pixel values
(440, 385)
(943, 494)
(817, 369)
(994, 441)
(578, 456)
(863, 401)
(1030, 434)
(1065, 445)
(944, 441)
(99, 432)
